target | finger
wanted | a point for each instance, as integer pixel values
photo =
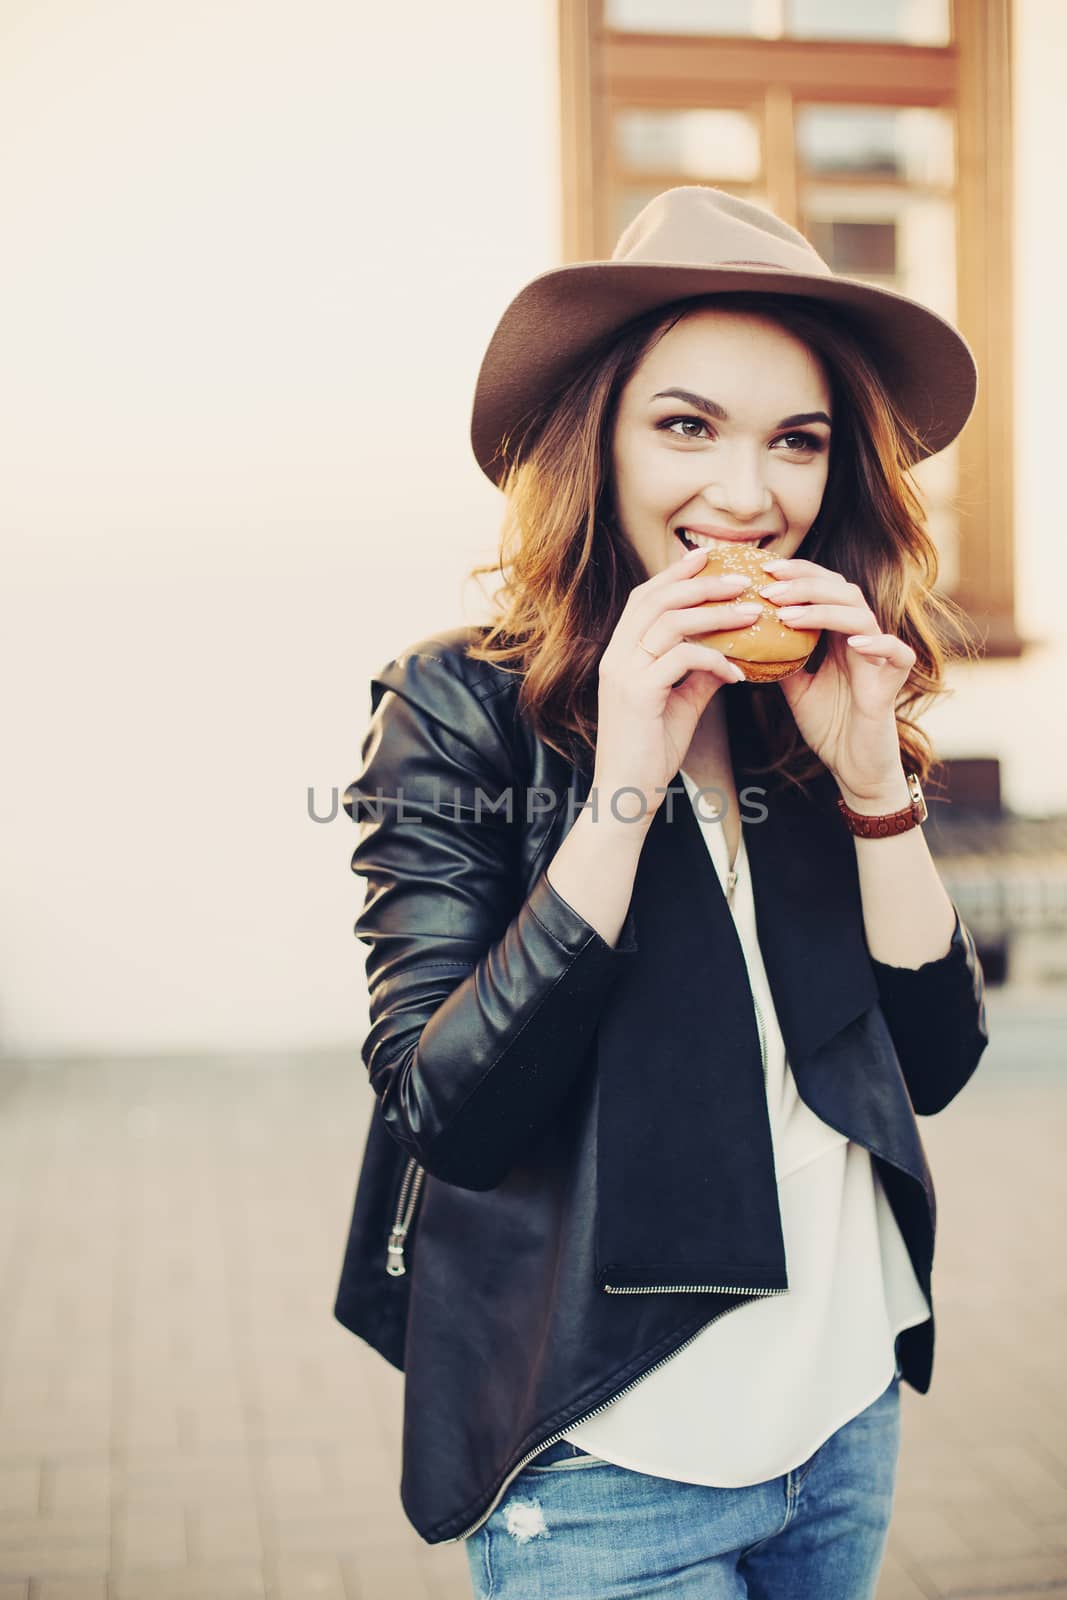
(647, 599)
(691, 657)
(796, 567)
(705, 586)
(667, 628)
(838, 618)
(827, 589)
(686, 566)
(673, 626)
(884, 649)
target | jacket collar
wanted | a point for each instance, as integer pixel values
(805, 886)
(686, 1187)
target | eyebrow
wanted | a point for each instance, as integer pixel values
(712, 408)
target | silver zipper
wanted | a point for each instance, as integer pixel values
(405, 1210)
(554, 1439)
(691, 1288)
(759, 1029)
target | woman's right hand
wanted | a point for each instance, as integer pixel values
(646, 717)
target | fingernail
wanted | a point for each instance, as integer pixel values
(771, 589)
(789, 613)
(775, 561)
(748, 609)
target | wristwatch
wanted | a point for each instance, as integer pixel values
(893, 822)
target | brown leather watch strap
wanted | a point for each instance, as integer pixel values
(891, 822)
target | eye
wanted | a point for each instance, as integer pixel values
(667, 425)
(802, 442)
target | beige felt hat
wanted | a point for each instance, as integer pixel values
(698, 240)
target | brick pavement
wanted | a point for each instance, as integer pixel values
(181, 1417)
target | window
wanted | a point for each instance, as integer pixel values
(881, 129)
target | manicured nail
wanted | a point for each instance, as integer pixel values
(861, 639)
(748, 608)
(775, 561)
(772, 589)
(790, 613)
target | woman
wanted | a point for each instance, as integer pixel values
(660, 1225)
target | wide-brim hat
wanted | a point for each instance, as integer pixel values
(696, 240)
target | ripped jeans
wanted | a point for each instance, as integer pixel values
(573, 1527)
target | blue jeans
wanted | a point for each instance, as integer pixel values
(574, 1527)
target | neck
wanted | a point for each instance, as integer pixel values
(711, 731)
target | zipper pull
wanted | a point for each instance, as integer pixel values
(395, 1259)
(410, 1186)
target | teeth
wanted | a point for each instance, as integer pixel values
(705, 541)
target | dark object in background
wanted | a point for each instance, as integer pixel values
(1007, 873)
(964, 800)
(970, 783)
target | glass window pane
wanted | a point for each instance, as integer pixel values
(921, 22)
(861, 249)
(905, 21)
(903, 239)
(694, 144)
(748, 18)
(910, 143)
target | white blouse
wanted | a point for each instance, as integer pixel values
(759, 1390)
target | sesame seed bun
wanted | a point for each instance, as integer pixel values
(766, 650)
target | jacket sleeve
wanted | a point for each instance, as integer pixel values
(483, 999)
(937, 1018)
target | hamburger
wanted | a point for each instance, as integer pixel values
(766, 650)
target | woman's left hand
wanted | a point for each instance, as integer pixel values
(845, 711)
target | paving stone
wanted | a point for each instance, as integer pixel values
(445, 1570)
(991, 1526)
(148, 1538)
(388, 1569)
(171, 1355)
(229, 1581)
(292, 1474)
(994, 1576)
(222, 1533)
(46, 1560)
(47, 1531)
(926, 1533)
(20, 1490)
(895, 1582)
(307, 1578)
(70, 1589)
(76, 1485)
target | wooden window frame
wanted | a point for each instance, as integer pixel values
(601, 69)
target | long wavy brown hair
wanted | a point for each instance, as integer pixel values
(567, 569)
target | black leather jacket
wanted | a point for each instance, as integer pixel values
(470, 1258)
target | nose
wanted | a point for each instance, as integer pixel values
(738, 486)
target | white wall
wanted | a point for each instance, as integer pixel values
(253, 253)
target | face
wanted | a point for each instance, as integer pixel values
(739, 450)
